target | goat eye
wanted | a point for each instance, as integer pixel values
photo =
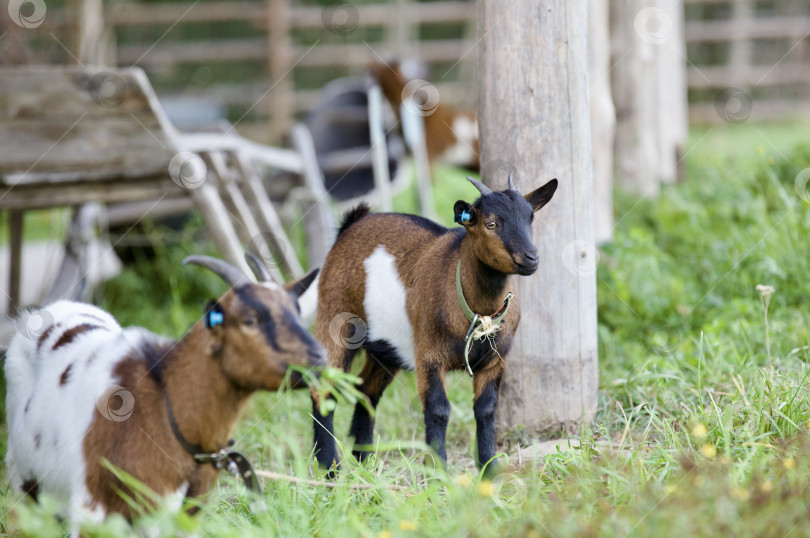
(491, 224)
(249, 321)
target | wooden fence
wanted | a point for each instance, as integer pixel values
(221, 50)
(310, 45)
(754, 53)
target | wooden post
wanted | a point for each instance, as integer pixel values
(671, 104)
(603, 119)
(533, 113)
(401, 30)
(632, 76)
(15, 227)
(280, 99)
(739, 61)
(91, 35)
(649, 92)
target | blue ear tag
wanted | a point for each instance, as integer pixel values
(465, 216)
(215, 318)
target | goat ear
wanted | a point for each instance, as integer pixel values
(463, 213)
(540, 197)
(214, 314)
(298, 287)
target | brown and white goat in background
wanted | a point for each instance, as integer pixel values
(451, 133)
(82, 389)
(398, 273)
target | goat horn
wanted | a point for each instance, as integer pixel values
(226, 271)
(258, 267)
(511, 184)
(483, 189)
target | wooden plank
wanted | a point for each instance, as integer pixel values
(551, 380)
(763, 28)
(318, 216)
(44, 196)
(130, 14)
(278, 158)
(250, 94)
(225, 50)
(268, 220)
(359, 55)
(218, 223)
(219, 50)
(382, 14)
(129, 212)
(700, 77)
(762, 110)
(239, 214)
(58, 119)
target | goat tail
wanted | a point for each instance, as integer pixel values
(361, 210)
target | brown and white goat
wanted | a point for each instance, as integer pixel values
(451, 133)
(82, 389)
(398, 273)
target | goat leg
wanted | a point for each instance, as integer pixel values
(485, 385)
(436, 406)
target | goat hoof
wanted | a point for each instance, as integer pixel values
(494, 468)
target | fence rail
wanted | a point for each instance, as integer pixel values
(723, 52)
(759, 47)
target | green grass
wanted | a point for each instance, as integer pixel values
(37, 225)
(699, 431)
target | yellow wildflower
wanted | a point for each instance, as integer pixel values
(789, 463)
(385, 534)
(485, 488)
(766, 486)
(408, 525)
(699, 431)
(463, 480)
(736, 492)
(708, 450)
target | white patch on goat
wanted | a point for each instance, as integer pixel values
(385, 306)
(46, 443)
(174, 500)
(463, 151)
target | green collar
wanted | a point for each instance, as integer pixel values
(460, 294)
(475, 319)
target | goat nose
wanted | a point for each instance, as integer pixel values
(531, 256)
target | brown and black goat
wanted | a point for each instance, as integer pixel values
(400, 273)
(82, 389)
